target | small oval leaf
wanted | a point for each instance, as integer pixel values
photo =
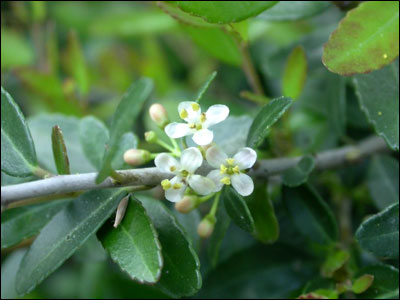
(18, 156)
(366, 39)
(267, 116)
(294, 76)
(380, 233)
(237, 209)
(298, 174)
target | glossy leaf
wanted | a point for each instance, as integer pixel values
(294, 76)
(221, 226)
(310, 214)
(134, 245)
(225, 11)
(59, 151)
(18, 156)
(383, 181)
(334, 262)
(41, 126)
(9, 268)
(266, 226)
(23, 222)
(93, 135)
(385, 284)
(298, 174)
(362, 283)
(378, 95)
(181, 272)
(64, 234)
(294, 10)
(237, 209)
(362, 43)
(205, 86)
(123, 119)
(267, 116)
(380, 233)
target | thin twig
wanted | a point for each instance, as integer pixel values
(149, 177)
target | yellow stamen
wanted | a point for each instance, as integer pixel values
(203, 117)
(172, 168)
(183, 114)
(195, 106)
(177, 186)
(192, 125)
(236, 170)
(166, 184)
(230, 161)
(199, 126)
(223, 169)
(184, 173)
(226, 180)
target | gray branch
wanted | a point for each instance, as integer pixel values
(64, 184)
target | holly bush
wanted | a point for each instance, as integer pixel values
(203, 149)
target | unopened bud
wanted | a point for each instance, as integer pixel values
(150, 136)
(136, 157)
(186, 205)
(121, 211)
(206, 226)
(159, 115)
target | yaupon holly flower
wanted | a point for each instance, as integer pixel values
(191, 160)
(197, 122)
(230, 169)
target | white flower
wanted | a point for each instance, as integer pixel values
(191, 160)
(229, 169)
(197, 122)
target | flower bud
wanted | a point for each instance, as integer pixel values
(136, 157)
(150, 136)
(186, 205)
(206, 226)
(159, 115)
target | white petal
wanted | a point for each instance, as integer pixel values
(203, 137)
(191, 159)
(242, 183)
(201, 185)
(215, 157)
(166, 163)
(216, 114)
(177, 130)
(175, 195)
(193, 116)
(216, 176)
(245, 158)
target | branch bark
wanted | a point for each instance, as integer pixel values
(64, 184)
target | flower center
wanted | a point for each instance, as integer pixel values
(229, 168)
(184, 173)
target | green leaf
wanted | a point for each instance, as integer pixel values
(134, 245)
(217, 43)
(380, 233)
(362, 44)
(23, 222)
(64, 234)
(310, 214)
(362, 283)
(16, 51)
(298, 174)
(123, 119)
(383, 180)
(267, 116)
(266, 226)
(205, 86)
(294, 76)
(294, 10)
(18, 152)
(336, 104)
(128, 141)
(221, 226)
(181, 272)
(385, 284)
(189, 223)
(334, 262)
(223, 12)
(59, 151)
(237, 209)
(9, 268)
(93, 135)
(378, 95)
(41, 126)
